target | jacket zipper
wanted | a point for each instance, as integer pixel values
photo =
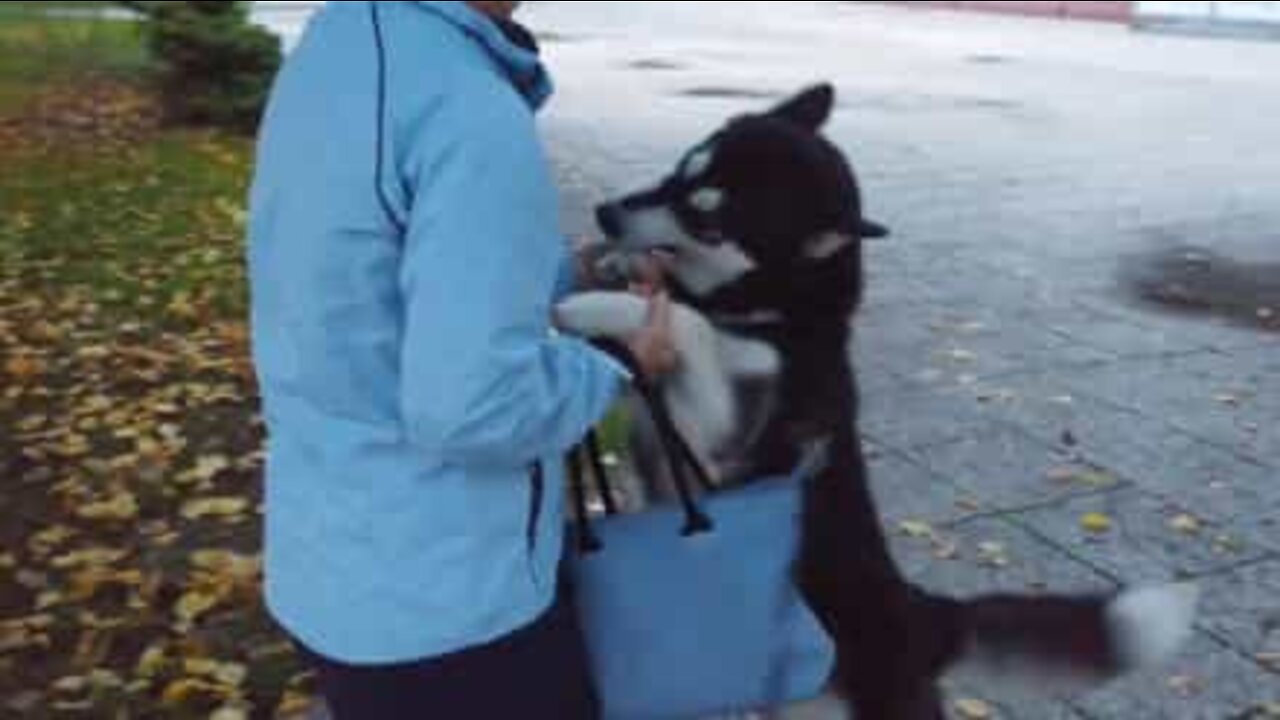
(538, 490)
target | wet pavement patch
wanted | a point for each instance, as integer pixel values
(656, 65)
(1193, 280)
(986, 103)
(731, 93)
(988, 59)
(555, 38)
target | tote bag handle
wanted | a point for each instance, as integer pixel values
(685, 466)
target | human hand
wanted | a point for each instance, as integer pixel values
(653, 346)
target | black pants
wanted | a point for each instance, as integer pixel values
(539, 673)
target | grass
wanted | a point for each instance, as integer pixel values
(96, 199)
(37, 6)
(140, 228)
(129, 436)
(36, 50)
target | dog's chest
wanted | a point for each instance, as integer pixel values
(747, 356)
(753, 366)
(788, 383)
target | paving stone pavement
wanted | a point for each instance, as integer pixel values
(1013, 382)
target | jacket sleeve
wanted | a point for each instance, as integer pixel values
(568, 280)
(485, 380)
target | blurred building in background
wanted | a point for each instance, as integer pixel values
(1262, 18)
(288, 17)
(1116, 11)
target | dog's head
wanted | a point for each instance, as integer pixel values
(767, 197)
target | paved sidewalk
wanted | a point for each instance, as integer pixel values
(1020, 384)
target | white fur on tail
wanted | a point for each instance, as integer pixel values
(1150, 625)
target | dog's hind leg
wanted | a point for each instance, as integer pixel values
(892, 639)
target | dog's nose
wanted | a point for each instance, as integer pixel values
(609, 218)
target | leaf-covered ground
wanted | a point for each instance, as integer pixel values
(129, 440)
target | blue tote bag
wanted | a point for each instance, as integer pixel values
(692, 610)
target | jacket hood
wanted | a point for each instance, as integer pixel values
(511, 46)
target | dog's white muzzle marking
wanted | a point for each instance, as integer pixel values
(707, 200)
(700, 268)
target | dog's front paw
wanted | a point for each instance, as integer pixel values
(600, 314)
(614, 269)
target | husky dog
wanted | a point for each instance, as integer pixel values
(763, 225)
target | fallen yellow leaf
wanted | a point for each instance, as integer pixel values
(1096, 523)
(152, 661)
(32, 424)
(207, 468)
(960, 356)
(194, 605)
(183, 691)
(222, 507)
(230, 712)
(104, 680)
(993, 555)
(47, 541)
(1185, 686)
(1097, 478)
(73, 685)
(95, 405)
(16, 636)
(74, 446)
(91, 557)
(93, 353)
(86, 584)
(24, 368)
(1186, 524)
(916, 530)
(228, 675)
(34, 622)
(945, 549)
(239, 569)
(44, 331)
(294, 706)
(1063, 475)
(121, 508)
(234, 333)
(1227, 545)
(148, 448)
(971, 709)
(182, 308)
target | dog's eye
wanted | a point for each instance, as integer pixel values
(698, 163)
(707, 200)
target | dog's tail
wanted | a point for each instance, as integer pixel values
(1071, 639)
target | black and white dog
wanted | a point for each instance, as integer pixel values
(764, 225)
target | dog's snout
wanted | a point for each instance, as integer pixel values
(609, 218)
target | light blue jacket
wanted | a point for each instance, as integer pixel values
(404, 255)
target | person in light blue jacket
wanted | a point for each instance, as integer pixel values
(404, 257)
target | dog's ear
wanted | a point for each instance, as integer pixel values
(810, 109)
(827, 246)
(872, 230)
